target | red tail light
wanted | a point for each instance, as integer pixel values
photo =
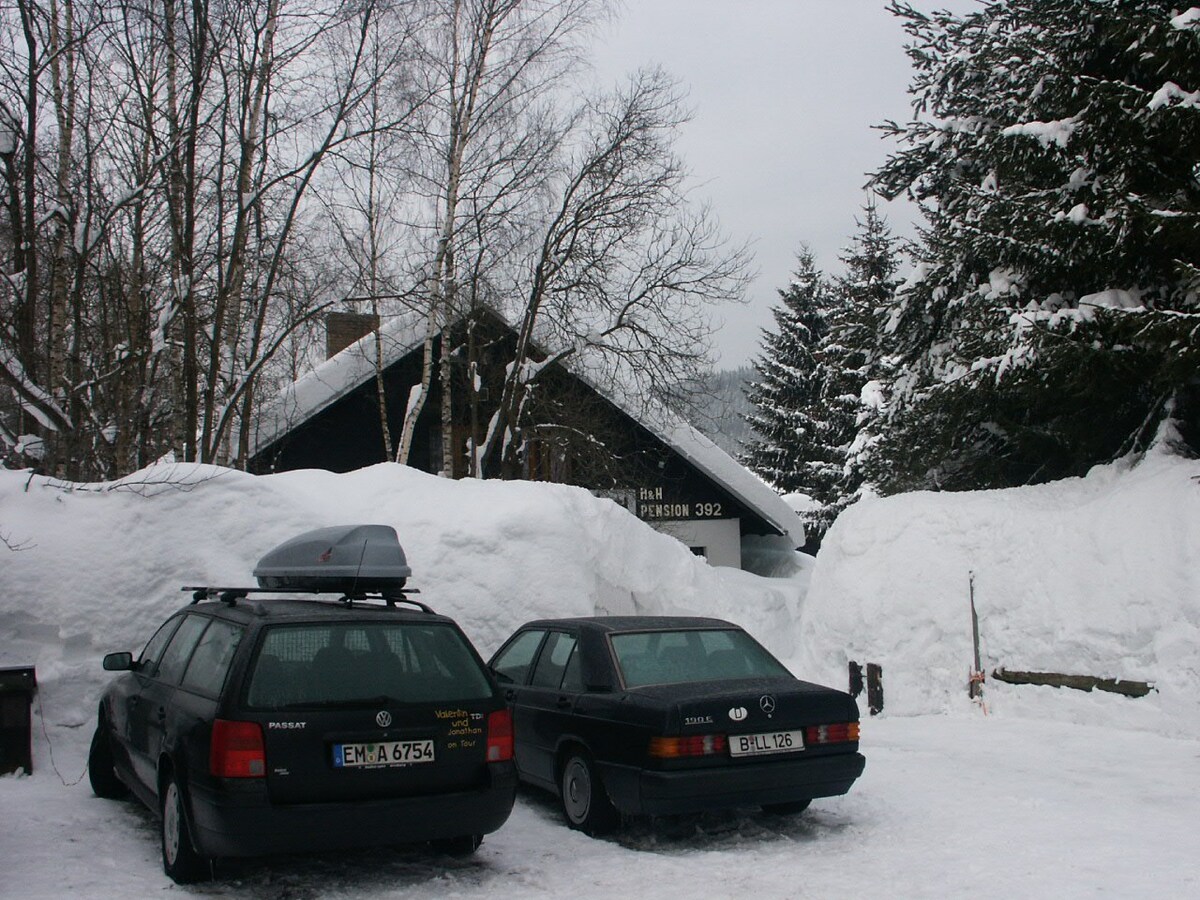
(237, 750)
(499, 736)
(693, 745)
(838, 733)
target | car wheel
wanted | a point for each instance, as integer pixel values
(786, 809)
(180, 859)
(463, 845)
(101, 773)
(585, 803)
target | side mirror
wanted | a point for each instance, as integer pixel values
(118, 662)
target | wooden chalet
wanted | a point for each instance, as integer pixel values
(575, 432)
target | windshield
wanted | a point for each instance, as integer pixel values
(319, 664)
(676, 657)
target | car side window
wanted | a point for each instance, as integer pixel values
(148, 661)
(553, 660)
(511, 665)
(210, 663)
(573, 677)
(179, 651)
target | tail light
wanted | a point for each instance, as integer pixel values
(237, 750)
(499, 736)
(693, 745)
(838, 733)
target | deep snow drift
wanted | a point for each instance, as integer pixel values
(1092, 576)
(101, 566)
(1086, 576)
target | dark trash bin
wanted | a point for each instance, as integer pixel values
(17, 684)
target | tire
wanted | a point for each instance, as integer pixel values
(179, 857)
(463, 845)
(793, 808)
(585, 803)
(101, 772)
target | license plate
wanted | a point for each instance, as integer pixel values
(385, 753)
(769, 742)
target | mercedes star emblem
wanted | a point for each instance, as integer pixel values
(383, 718)
(767, 703)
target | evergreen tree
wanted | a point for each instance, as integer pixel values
(792, 449)
(852, 354)
(1054, 319)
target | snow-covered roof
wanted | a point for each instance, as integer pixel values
(335, 378)
(402, 335)
(699, 450)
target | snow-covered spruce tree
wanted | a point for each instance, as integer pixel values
(792, 448)
(1053, 320)
(852, 354)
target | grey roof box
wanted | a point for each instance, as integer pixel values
(351, 559)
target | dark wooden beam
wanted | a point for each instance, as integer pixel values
(1078, 682)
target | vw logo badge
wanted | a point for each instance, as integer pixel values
(766, 703)
(383, 718)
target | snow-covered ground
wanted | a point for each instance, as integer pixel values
(1054, 794)
(948, 807)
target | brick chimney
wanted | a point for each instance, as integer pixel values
(343, 328)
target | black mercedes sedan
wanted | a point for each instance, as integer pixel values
(651, 715)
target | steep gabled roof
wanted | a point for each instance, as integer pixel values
(335, 378)
(351, 368)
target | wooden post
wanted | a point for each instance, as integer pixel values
(874, 688)
(975, 676)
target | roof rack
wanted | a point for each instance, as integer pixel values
(231, 595)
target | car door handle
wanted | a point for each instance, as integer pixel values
(563, 702)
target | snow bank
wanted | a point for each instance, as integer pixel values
(101, 565)
(1090, 576)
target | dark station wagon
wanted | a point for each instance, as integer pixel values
(659, 715)
(265, 724)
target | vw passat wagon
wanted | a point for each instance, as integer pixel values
(255, 723)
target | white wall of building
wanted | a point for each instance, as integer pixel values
(718, 540)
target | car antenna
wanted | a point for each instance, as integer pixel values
(354, 592)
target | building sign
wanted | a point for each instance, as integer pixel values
(652, 505)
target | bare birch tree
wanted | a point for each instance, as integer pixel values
(159, 161)
(625, 266)
(493, 62)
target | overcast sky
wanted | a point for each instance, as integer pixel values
(785, 94)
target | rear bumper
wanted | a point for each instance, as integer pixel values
(643, 792)
(243, 824)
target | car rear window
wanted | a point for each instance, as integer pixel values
(323, 665)
(676, 657)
